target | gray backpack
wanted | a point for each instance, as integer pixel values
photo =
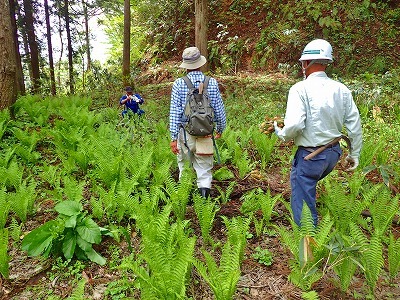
(198, 116)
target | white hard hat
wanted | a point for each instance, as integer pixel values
(317, 50)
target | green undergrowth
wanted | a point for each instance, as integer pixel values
(117, 178)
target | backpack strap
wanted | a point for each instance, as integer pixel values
(205, 83)
(188, 82)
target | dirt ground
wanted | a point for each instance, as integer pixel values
(34, 277)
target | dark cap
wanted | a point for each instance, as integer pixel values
(128, 89)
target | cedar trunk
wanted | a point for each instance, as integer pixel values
(33, 46)
(126, 57)
(8, 69)
(201, 27)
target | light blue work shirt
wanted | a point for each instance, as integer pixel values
(317, 110)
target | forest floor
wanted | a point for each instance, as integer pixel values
(38, 278)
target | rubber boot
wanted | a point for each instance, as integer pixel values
(204, 192)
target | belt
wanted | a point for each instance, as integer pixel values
(316, 150)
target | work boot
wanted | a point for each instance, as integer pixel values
(204, 192)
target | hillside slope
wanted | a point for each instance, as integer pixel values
(268, 35)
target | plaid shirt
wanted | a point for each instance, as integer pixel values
(178, 102)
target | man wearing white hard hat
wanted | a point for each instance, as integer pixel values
(182, 143)
(317, 110)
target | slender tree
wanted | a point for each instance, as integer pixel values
(69, 46)
(50, 48)
(20, 75)
(8, 68)
(201, 27)
(33, 46)
(126, 61)
(87, 39)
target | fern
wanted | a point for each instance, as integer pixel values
(250, 202)
(79, 291)
(311, 295)
(12, 174)
(225, 195)
(345, 271)
(343, 208)
(97, 208)
(223, 174)
(393, 256)
(168, 252)
(179, 192)
(161, 173)
(237, 229)
(371, 254)
(4, 121)
(5, 207)
(4, 258)
(222, 279)
(15, 230)
(383, 210)
(267, 204)
(205, 210)
(72, 189)
(264, 145)
(244, 164)
(373, 260)
(22, 201)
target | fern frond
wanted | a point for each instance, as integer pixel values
(4, 258)
(168, 253)
(205, 210)
(5, 207)
(383, 209)
(373, 259)
(22, 201)
(237, 228)
(393, 256)
(222, 279)
(15, 230)
(267, 204)
(345, 271)
(79, 291)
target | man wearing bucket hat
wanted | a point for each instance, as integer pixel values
(183, 144)
(317, 110)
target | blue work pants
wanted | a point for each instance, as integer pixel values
(305, 175)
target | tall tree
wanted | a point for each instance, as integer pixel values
(126, 57)
(201, 27)
(33, 46)
(19, 73)
(69, 45)
(50, 48)
(8, 68)
(87, 39)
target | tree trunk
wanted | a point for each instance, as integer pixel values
(19, 73)
(33, 46)
(8, 69)
(126, 57)
(87, 39)
(50, 49)
(69, 45)
(201, 26)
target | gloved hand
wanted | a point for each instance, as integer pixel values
(353, 161)
(276, 128)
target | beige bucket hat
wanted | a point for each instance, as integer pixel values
(192, 59)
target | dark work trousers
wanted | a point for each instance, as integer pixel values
(305, 175)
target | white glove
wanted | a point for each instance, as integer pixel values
(353, 161)
(276, 127)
